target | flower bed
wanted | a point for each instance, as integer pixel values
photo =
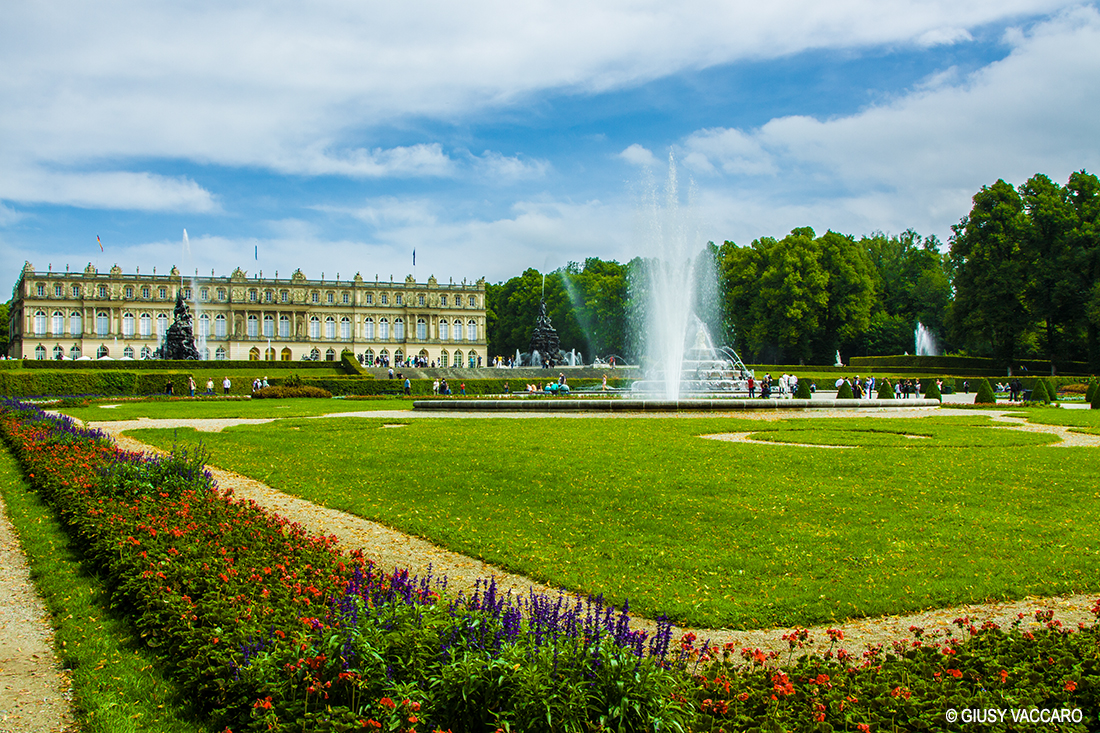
(269, 628)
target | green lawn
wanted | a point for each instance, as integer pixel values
(711, 533)
(1082, 421)
(129, 410)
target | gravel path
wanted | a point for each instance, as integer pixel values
(34, 690)
(391, 548)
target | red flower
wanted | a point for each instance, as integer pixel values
(1070, 686)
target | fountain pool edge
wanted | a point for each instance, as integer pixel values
(644, 405)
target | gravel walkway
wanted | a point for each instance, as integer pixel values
(34, 690)
(391, 548)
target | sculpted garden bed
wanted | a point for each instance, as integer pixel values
(271, 629)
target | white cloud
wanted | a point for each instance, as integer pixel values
(397, 162)
(501, 168)
(111, 189)
(916, 161)
(639, 156)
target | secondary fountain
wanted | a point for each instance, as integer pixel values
(924, 341)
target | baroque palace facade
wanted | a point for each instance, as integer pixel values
(92, 314)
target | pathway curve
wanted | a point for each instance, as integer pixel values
(391, 548)
(34, 689)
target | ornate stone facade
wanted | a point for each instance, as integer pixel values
(94, 314)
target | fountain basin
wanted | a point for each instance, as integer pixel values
(658, 405)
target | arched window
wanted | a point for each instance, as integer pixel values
(146, 322)
(269, 328)
(74, 352)
(444, 330)
(76, 324)
(254, 329)
(102, 323)
(219, 354)
(384, 355)
(285, 354)
(421, 329)
(368, 357)
(58, 324)
(219, 326)
(146, 352)
(284, 327)
(458, 330)
(40, 327)
(269, 354)
(254, 353)
(204, 325)
(315, 354)
(458, 359)
(330, 355)
(314, 327)
(330, 326)
(40, 350)
(398, 357)
(58, 352)
(471, 330)
(345, 328)
(399, 329)
(162, 325)
(127, 324)
(102, 352)
(368, 329)
(383, 329)
(443, 359)
(473, 360)
(128, 352)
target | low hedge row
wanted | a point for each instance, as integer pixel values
(970, 365)
(282, 392)
(172, 364)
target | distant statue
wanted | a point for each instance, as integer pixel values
(839, 363)
(179, 342)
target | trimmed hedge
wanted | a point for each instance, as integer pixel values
(1039, 392)
(844, 392)
(279, 392)
(803, 392)
(984, 395)
(885, 390)
(963, 364)
(931, 390)
(170, 364)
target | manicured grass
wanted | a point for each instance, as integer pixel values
(711, 533)
(117, 683)
(1083, 421)
(195, 409)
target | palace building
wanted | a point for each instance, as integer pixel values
(90, 314)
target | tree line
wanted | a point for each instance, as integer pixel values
(1019, 280)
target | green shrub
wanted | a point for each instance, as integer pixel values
(844, 391)
(1052, 391)
(1090, 390)
(282, 391)
(1039, 392)
(885, 390)
(1095, 401)
(984, 395)
(932, 390)
(802, 392)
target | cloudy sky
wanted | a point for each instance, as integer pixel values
(339, 136)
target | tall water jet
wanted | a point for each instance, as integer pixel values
(196, 305)
(924, 342)
(675, 252)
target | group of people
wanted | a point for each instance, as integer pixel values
(785, 386)
(1014, 387)
(440, 386)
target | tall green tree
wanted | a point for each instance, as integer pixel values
(850, 296)
(990, 309)
(1083, 197)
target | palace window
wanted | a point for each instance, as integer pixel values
(162, 293)
(443, 335)
(315, 297)
(76, 324)
(330, 297)
(76, 291)
(443, 300)
(187, 294)
(473, 360)
(74, 352)
(220, 326)
(146, 352)
(102, 352)
(128, 352)
(58, 352)
(58, 323)
(458, 330)
(268, 297)
(129, 291)
(162, 325)
(397, 299)
(204, 325)
(284, 326)
(102, 291)
(40, 291)
(384, 299)
(284, 296)
(458, 359)
(315, 354)
(252, 299)
(269, 328)
(219, 354)
(221, 293)
(314, 327)
(204, 294)
(421, 329)
(127, 324)
(345, 328)
(471, 330)
(368, 329)
(40, 323)
(443, 359)
(145, 291)
(102, 323)
(346, 298)
(369, 299)
(330, 355)
(330, 327)
(399, 329)
(383, 329)
(146, 322)
(59, 291)
(40, 353)
(253, 326)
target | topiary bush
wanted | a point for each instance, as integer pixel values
(278, 392)
(1052, 391)
(932, 391)
(885, 390)
(1039, 392)
(984, 395)
(1090, 390)
(802, 392)
(1095, 401)
(844, 391)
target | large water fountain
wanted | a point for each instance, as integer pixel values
(924, 342)
(681, 355)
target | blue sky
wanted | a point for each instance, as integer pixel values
(490, 137)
